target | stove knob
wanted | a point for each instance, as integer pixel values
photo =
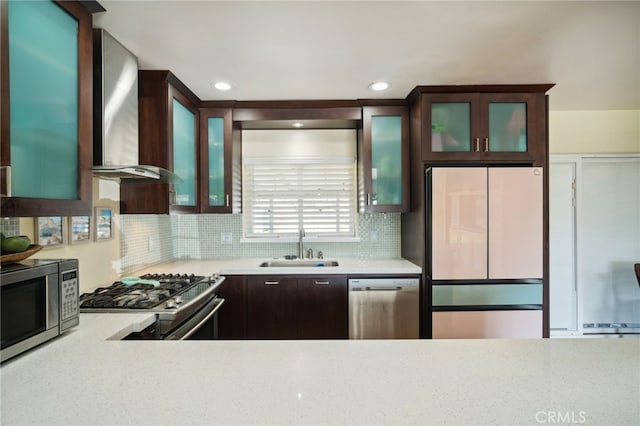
(171, 304)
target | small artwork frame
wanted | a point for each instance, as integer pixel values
(103, 223)
(79, 229)
(50, 231)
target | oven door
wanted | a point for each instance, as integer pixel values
(203, 325)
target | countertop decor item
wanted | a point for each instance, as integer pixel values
(17, 257)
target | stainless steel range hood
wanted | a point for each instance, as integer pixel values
(115, 109)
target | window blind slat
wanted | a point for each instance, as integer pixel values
(318, 195)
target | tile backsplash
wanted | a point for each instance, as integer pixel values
(150, 239)
(10, 226)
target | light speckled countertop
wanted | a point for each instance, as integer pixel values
(251, 266)
(82, 378)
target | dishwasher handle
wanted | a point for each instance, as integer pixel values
(396, 288)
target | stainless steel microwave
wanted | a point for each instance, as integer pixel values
(39, 300)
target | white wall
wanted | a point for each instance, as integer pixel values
(594, 132)
(99, 261)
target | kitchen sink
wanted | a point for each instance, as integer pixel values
(314, 263)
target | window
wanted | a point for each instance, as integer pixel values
(291, 181)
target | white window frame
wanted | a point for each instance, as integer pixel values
(297, 178)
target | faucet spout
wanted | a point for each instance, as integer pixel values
(300, 243)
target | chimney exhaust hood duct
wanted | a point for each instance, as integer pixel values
(115, 108)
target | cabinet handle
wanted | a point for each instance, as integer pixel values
(172, 198)
(321, 282)
(226, 200)
(477, 144)
(368, 198)
(271, 282)
(486, 144)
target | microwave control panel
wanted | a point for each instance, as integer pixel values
(69, 294)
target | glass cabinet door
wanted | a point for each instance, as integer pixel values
(451, 126)
(184, 154)
(385, 160)
(507, 127)
(215, 159)
(215, 146)
(43, 88)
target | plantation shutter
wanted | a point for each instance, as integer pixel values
(282, 192)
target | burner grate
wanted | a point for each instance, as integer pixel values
(139, 295)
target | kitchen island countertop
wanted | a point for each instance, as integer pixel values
(84, 378)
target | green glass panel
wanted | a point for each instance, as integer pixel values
(450, 126)
(490, 294)
(184, 158)
(508, 126)
(386, 160)
(43, 87)
(215, 140)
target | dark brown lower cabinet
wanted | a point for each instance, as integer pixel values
(323, 309)
(271, 307)
(232, 317)
(284, 307)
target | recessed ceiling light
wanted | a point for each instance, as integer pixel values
(297, 124)
(222, 85)
(379, 85)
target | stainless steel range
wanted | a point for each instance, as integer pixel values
(185, 305)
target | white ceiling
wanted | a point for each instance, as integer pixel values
(333, 49)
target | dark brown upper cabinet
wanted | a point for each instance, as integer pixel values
(168, 133)
(220, 156)
(483, 123)
(47, 91)
(383, 159)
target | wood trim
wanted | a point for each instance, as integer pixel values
(485, 88)
(241, 113)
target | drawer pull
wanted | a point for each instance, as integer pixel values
(321, 282)
(271, 282)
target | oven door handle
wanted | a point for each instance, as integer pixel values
(180, 334)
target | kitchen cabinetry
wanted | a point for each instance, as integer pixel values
(168, 133)
(271, 307)
(284, 307)
(322, 307)
(483, 123)
(216, 160)
(383, 155)
(232, 318)
(47, 109)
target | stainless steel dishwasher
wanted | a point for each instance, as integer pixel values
(384, 308)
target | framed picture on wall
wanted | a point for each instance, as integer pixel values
(79, 229)
(49, 231)
(103, 223)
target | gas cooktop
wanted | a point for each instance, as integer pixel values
(149, 292)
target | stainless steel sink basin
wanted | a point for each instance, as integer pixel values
(312, 263)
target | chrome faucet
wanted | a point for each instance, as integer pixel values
(300, 244)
